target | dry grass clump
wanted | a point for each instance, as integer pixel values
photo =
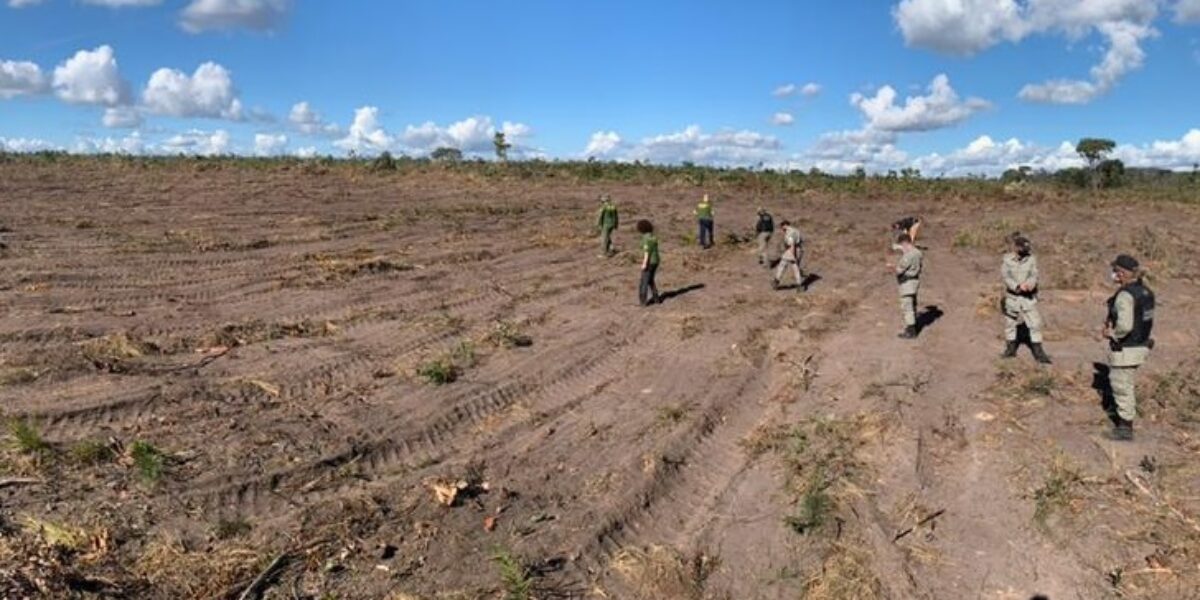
(17, 375)
(114, 352)
(659, 573)
(250, 332)
(1059, 491)
(326, 268)
(507, 334)
(173, 570)
(845, 575)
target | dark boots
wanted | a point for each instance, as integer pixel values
(1039, 353)
(1123, 430)
(909, 333)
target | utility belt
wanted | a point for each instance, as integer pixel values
(1030, 294)
(906, 278)
(1117, 345)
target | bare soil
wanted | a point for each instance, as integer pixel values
(229, 365)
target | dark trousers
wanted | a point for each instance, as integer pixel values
(706, 233)
(647, 291)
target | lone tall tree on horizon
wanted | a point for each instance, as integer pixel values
(1094, 151)
(501, 145)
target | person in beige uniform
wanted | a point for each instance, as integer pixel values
(1019, 269)
(1128, 329)
(908, 277)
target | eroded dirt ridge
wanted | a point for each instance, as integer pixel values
(276, 381)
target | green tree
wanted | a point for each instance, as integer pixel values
(1111, 172)
(446, 154)
(502, 145)
(1095, 151)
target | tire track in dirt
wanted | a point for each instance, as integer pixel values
(415, 444)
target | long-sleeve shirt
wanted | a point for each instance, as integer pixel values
(908, 271)
(1018, 270)
(608, 217)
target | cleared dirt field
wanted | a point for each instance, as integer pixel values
(204, 369)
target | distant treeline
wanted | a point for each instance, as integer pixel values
(1106, 175)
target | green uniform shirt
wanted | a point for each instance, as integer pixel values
(650, 247)
(908, 272)
(608, 216)
(704, 210)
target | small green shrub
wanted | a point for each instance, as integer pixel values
(26, 438)
(148, 460)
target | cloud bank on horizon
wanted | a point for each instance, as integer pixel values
(198, 106)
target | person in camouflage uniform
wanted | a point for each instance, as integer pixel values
(608, 222)
(704, 217)
(1127, 328)
(793, 253)
(1019, 270)
(647, 290)
(763, 230)
(908, 278)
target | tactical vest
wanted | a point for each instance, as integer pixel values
(1143, 315)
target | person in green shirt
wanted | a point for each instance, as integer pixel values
(608, 222)
(647, 290)
(704, 214)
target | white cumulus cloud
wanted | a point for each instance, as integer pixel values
(811, 89)
(602, 144)
(941, 107)
(692, 144)
(91, 77)
(310, 122)
(965, 27)
(131, 144)
(21, 78)
(23, 3)
(258, 15)
(25, 145)
(207, 93)
(122, 117)
(1187, 11)
(198, 142)
(472, 135)
(268, 144)
(782, 118)
(366, 135)
(785, 91)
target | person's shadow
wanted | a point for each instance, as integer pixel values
(1103, 387)
(928, 317)
(675, 293)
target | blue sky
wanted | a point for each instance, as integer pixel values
(978, 85)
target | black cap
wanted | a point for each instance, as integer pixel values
(1125, 261)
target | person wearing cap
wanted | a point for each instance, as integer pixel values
(1127, 328)
(793, 252)
(764, 229)
(647, 290)
(608, 222)
(704, 215)
(908, 278)
(1019, 270)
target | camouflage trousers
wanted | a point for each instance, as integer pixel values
(764, 237)
(908, 309)
(1123, 384)
(1019, 310)
(606, 245)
